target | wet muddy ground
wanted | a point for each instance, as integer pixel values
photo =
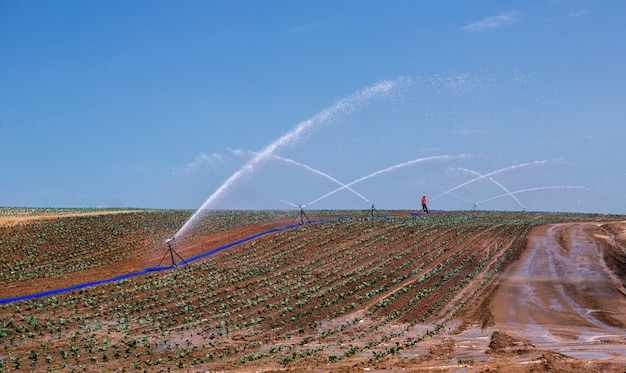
(564, 294)
(564, 298)
(559, 307)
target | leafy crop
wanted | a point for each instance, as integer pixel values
(328, 291)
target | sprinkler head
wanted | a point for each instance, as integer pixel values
(169, 240)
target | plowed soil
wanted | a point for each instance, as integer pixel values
(561, 307)
(557, 305)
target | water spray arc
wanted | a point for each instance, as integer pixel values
(474, 203)
(463, 198)
(302, 214)
(498, 184)
(316, 171)
(535, 189)
(510, 168)
(392, 168)
(347, 104)
(509, 193)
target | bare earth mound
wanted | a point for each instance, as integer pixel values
(441, 292)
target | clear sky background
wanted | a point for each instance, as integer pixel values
(159, 103)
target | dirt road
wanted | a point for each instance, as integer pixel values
(566, 293)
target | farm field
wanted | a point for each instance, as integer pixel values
(448, 291)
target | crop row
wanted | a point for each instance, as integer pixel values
(307, 291)
(49, 247)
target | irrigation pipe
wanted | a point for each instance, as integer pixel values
(153, 269)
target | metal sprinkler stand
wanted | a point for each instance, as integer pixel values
(303, 215)
(373, 210)
(171, 251)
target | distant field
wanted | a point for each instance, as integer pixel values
(347, 292)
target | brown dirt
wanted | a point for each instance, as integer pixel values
(566, 293)
(188, 249)
(13, 220)
(559, 307)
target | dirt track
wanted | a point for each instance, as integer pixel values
(563, 295)
(561, 307)
(12, 220)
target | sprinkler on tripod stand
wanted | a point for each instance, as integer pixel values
(303, 214)
(373, 210)
(172, 252)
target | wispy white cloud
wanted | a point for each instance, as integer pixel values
(304, 28)
(492, 23)
(571, 16)
(578, 13)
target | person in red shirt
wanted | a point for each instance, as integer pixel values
(424, 207)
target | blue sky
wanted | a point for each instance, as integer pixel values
(159, 103)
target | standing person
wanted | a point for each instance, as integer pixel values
(424, 207)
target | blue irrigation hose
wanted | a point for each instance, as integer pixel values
(152, 269)
(80, 286)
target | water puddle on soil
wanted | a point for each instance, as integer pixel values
(561, 296)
